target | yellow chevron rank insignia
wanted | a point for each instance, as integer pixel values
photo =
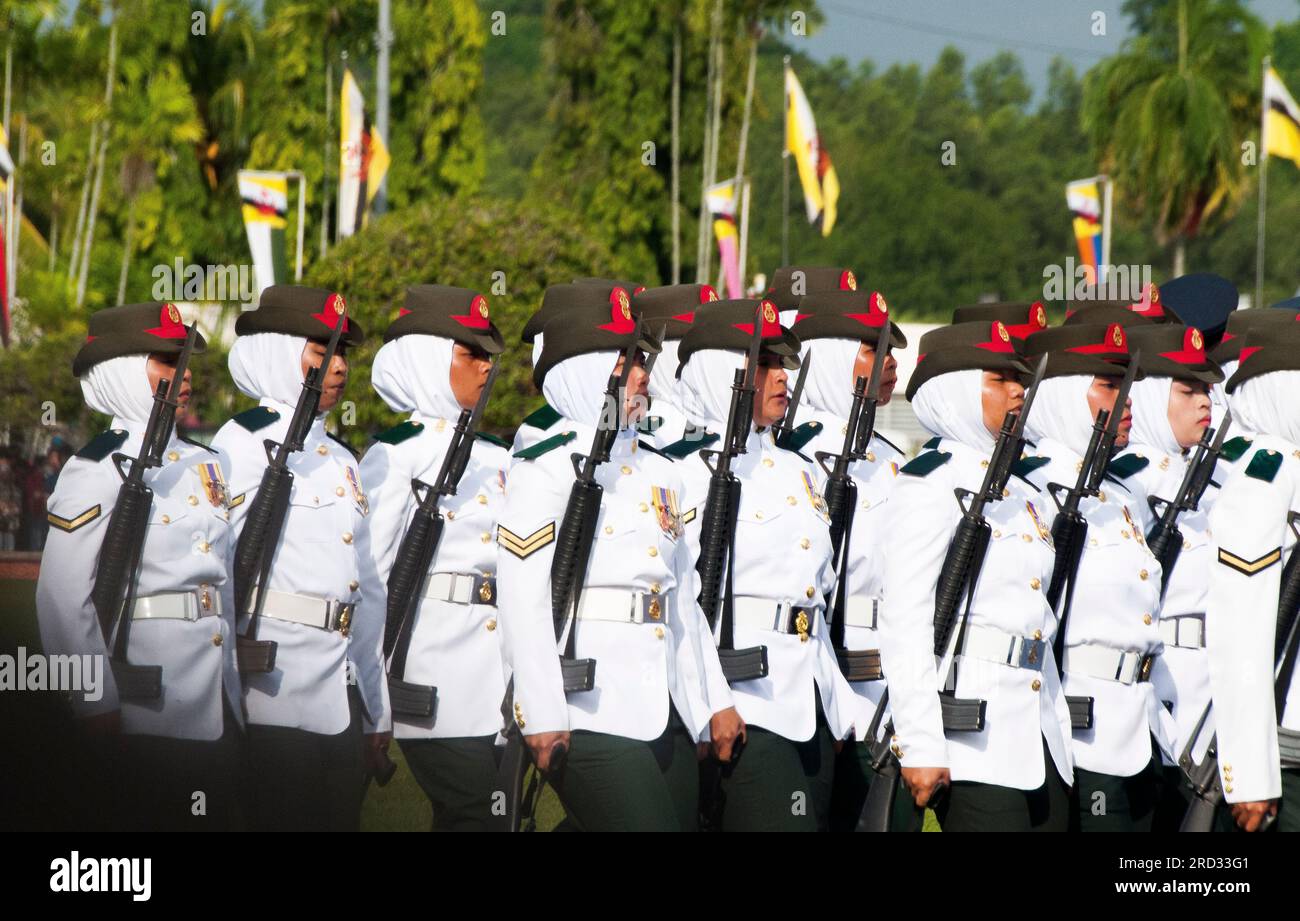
(71, 524)
(524, 547)
(690, 516)
(1249, 567)
(238, 500)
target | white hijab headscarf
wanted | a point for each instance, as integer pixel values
(412, 374)
(1151, 415)
(951, 405)
(706, 386)
(1267, 404)
(663, 376)
(1060, 412)
(575, 387)
(119, 387)
(268, 366)
(829, 386)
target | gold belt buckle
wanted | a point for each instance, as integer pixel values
(205, 598)
(345, 619)
(485, 590)
(801, 625)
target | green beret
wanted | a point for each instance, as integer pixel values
(812, 280)
(460, 314)
(729, 325)
(1266, 349)
(297, 310)
(588, 319)
(132, 329)
(1174, 350)
(845, 315)
(1021, 318)
(965, 347)
(1095, 349)
(672, 306)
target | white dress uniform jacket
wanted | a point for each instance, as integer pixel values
(455, 647)
(186, 550)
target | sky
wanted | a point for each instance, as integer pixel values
(901, 31)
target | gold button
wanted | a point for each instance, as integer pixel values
(1034, 584)
(482, 500)
(659, 633)
(353, 585)
(519, 721)
(871, 457)
(1228, 768)
(758, 515)
(491, 625)
(655, 588)
(1038, 634)
(1092, 542)
(1006, 493)
(216, 639)
(654, 609)
(809, 591)
(1101, 494)
(1036, 684)
(1146, 619)
(485, 537)
(805, 543)
(1227, 789)
(643, 507)
(791, 500)
(1126, 534)
(1026, 538)
(866, 503)
(608, 529)
(322, 450)
(767, 462)
(347, 537)
(204, 546)
(653, 551)
(316, 499)
(1187, 545)
(997, 533)
(984, 463)
(1143, 575)
(173, 456)
(193, 500)
(166, 519)
(338, 490)
(451, 516)
(898, 752)
(626, 469)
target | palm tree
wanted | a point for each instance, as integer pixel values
(1167, 115)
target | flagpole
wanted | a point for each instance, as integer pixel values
(385, 40)
(325, 164)
(1107, 190)
(1263, 194)
(302, 219)
(744, 237)
(19, 181)
(785, 162)
(676, 164)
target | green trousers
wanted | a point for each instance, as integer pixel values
(1104, 802)
(970, 806)
(853, 777)
(612, 783)
(779, 785)
(1288, 813)
(459, 778)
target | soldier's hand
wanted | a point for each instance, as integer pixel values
(543, 745)
(725, 727)
(374, 752)
(924, 783)
(102, 725)
(1249, 816)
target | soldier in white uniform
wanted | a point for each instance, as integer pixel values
(307, 757)
(188, 739)
(1227, 354)
(671, 308)
(840, 331)
(781, 577)
(1015, 773)
(631, 739)
(433, 364)
(1111, 612)
(1258, 721)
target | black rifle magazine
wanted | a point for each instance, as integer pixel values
(254, 655)
(860, 664)
(962, 714)
(410, 699)
(1080, 711)
(137, 682)
(743, 664)
(579, 674)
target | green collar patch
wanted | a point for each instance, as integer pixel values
(1233, 448)
(492, 439)
(259, 417)
(647, 446)
(1264, 465)
(542, 418)
(549, 444)
(400, 432)
(103, 444)
(932, 443)
(1027, 465)
(800, 436)
(685, 447)
(649, 425)
(1126, 465)
(927, 463)
(196, 443)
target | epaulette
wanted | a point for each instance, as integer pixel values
(103, 444)
(259, 417)
(888, 442)
(925, 464)
(535, 451)
(684, 447)
(492, 439)
(400, 432)
(932, 443)
(1264, 465)
(800, 436)
(1233, 448)
(652, 449)
(1126, 465)
(1027, 465)
(351, 450)
(649, 425)
(543, 417)
(196, 443)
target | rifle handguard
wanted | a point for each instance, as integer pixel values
(414, 555)
(714, 534)
(971, 531)
(260, 534)
(123, 538)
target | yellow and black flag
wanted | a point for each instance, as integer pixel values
(1281, 120)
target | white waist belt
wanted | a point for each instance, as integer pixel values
(462, 587)
(623, 606)
(205, 601)
(1184, 630)
(1107, 664)
(994, 645)
(770, 614)
(308, 610)
(861, 611)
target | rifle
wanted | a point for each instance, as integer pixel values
(120, 553)
(785, 427)
(718, 522)
(260, 537)
(568, 574)
(959, 575)
(1203, 778)
(415, 553)
(1164, 540)
(841, 493)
